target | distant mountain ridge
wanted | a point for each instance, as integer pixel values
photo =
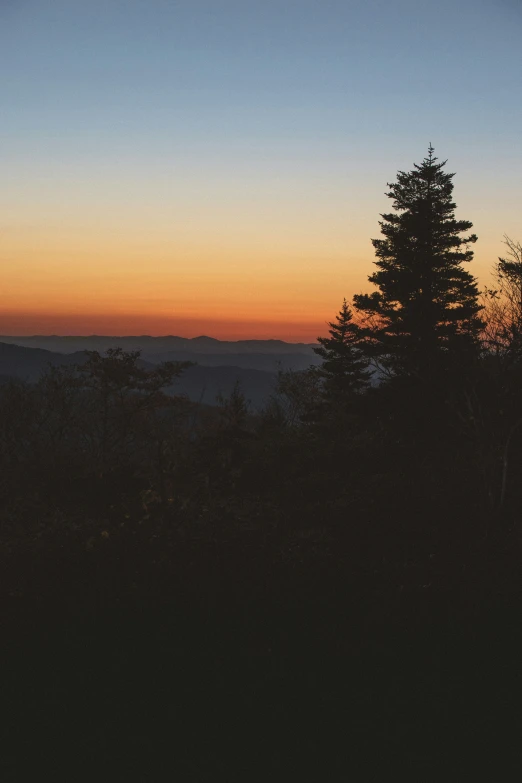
(28, 363)
(200, 383)
(151, 345)
(269, 362)
(266, 355)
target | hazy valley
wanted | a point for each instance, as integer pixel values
(218, 365)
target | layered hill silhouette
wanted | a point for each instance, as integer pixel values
(160, 345)
(254, 364)
(28, 363)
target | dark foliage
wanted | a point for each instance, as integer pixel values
(345, 366)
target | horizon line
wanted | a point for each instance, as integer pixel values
(152, 337)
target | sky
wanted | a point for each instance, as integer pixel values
(218, 166)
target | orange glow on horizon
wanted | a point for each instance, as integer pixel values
(125, 279)
(122, 325)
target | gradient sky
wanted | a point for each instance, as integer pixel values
(219, 166)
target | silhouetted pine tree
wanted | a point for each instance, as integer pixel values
(345, 365)
(425, 313)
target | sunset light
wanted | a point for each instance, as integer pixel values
(229, 180)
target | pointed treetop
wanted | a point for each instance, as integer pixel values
(426, 306)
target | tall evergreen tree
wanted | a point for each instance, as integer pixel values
(345, 365)
(425, 313)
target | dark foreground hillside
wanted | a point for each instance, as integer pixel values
(235, 658)
(306, 594)
(298, 681)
